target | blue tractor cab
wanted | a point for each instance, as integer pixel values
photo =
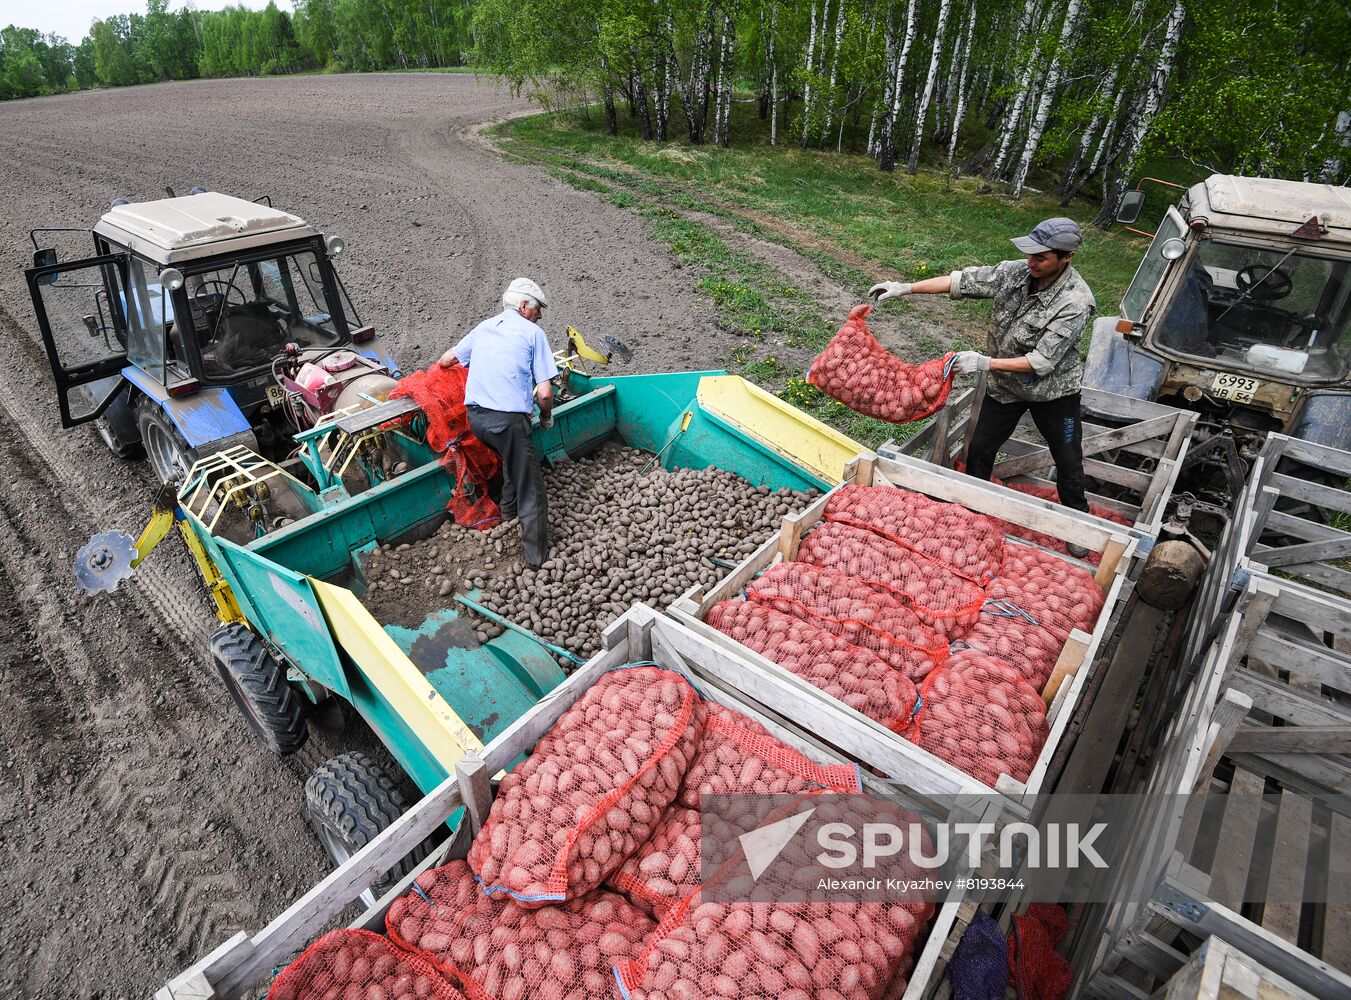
(201, 323)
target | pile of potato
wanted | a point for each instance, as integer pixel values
(859, 372)
(354, 963)
(593, 790)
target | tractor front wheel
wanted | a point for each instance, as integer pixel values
(350, 801)
(168, 453)
(272, 708)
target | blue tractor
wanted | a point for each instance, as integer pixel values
(201, 323)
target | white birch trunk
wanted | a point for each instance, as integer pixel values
(888, 141)
(1048, 94)
(1015, 114)
(1153, 100)
(773, 75)
(959, 113)
(930, 82)
(834, 69)
(811, 70)
(879, 109)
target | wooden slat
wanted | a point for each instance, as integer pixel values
(1234, 846)
(1322, 551)
(1289, 859)
(1093, 444)
(1336, 943)
(1318, 662)
(1317, 456)
(1292, 739)
(1285, 702)
(1328, 497)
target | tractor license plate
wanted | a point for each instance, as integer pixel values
(275, 395)
(1235, 387)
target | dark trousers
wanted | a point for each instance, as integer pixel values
(523, 493)
(1059, 422)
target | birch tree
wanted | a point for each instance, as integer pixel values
(1144, 116)
(1027, 28)
(930, 79)
(834, 69)
(959, 113)
(887, 142)
(1049, 89)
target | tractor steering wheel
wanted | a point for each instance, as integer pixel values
(203, 296)
(1263, 284)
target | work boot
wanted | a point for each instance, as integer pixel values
(1078, 551)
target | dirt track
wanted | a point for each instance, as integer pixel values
(140, 823)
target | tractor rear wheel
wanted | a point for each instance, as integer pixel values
(350, 801)
(168, 452)
(272, 708)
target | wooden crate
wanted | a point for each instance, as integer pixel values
(1133, 450)
(247, 962)
(1187, 871)
(871, 743)
(1219, 971)
(1298, 534)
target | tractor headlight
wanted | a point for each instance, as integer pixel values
(1173, 248)
(171, 278)
(335, 245)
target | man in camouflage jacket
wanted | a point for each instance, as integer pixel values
(1042, 307)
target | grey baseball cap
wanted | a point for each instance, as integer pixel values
(1059, 233)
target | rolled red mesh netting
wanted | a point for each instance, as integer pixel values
(738, 756)
(934, 592)
(1039, 972)
(844, 671)
(980, 715)
(849, 608)
(592, 790)
(666, 869)
(354, 963)
(499, 950)
(859, 372)
(971, 544)
(1045, 590)
(471, 463)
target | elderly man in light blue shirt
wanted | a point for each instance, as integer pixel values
(510, 366)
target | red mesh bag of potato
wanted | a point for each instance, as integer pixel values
(776, 951)
(498, 950)
(861, 615)
(354, 963)
(980, 715)
(971, 544)
(667, 868)
(1049, 541)
(844, 671)
(929, 588)
(859, 372)
(471, 463)
(1010, 636)
(592, 790)
(737, 755)
(1051, 592)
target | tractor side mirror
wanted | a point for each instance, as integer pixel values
(1129, 209)
(45, 258)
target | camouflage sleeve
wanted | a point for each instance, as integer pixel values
(981, 282)
(1060, 336)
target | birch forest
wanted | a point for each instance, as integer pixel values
(1070, 96)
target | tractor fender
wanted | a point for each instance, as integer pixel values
(1115, 364)
(208, 419)
(1325, 419)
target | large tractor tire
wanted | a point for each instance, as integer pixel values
(273, 709)
(350, 801)
(168, 452)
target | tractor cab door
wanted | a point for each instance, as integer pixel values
(80, 310)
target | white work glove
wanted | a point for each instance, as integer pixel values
(884, 290)
(968, 362)
(546, 422)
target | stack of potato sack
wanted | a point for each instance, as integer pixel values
(584, 882)
(923, 617)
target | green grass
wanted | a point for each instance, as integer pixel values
(854, 222)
